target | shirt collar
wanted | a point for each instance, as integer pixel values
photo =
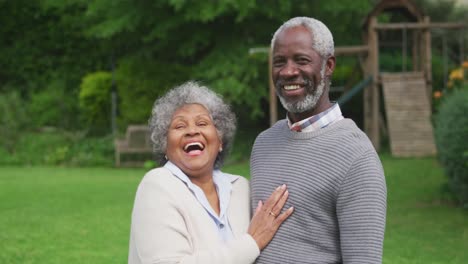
(222, 181)
(216, 174)
(320, 120)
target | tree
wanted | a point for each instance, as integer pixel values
(159, 44)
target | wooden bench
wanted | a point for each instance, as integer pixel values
(136, 141)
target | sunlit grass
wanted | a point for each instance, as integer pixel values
(422, 225)
(65, 215)
(82, 215)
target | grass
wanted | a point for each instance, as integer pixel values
(65, 215)
(82, 215)
(423, 226)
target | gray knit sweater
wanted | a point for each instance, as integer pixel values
(337, 186)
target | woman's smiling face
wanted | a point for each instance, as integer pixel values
(193, 142)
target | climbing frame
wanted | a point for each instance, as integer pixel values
(408, 114)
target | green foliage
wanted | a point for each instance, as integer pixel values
(392, 61)
(48, 46)
(347, 72)
(34, 148)
(44, 55)
(451, 130)
(159, 44)
(55, 147)
(54, 106)
(94, 151)
(438, 71)
(140, 82)
(229, 73)
(149, 164)
(95, 101)
(13, 120)
(442, 10)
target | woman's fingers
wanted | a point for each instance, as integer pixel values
(281, 202)
(259, 207)
(274, 197)
(268, 217)
(280, 219)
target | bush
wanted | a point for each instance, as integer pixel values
(140, 82)
(96, 151)
(13, 120)
(458, 79)
(54, 105)
(95, 101)
(40, 148)
(451, 131)
(57, 147)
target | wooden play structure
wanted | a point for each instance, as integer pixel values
(406, 94)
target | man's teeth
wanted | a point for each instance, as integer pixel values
(291, 87)
(193, 144)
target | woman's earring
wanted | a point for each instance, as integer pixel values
(165, 156)
(220, 149)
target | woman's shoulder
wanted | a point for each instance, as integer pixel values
(160, 178)
(238, 182)
(234, 178)
(160, 174)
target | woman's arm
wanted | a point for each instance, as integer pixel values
(160, 235)
(159, 231)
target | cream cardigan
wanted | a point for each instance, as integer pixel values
(169, 225)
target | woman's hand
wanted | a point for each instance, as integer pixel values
(268, 217)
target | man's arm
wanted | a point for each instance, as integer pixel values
(361, 211)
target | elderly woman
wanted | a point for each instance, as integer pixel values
(188, 211)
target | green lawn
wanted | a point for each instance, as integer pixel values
(82, 215)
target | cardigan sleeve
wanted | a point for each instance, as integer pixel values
(159, 232)
(361, 211)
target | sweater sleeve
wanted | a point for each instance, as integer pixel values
(159, 233)
(361, 211)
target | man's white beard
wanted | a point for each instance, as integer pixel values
(310, 101)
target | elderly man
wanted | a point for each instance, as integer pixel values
(333, 173)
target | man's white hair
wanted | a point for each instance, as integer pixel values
(322, 37)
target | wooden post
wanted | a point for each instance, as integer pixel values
(416, 52)
(427, 57)
(273, 100)
(371, 94)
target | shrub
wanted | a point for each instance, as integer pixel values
(458, 79)
(58, 147)
(38, 148)
(54, 105)
(13, 120)
(95, 151)
(451, 131)
(95, 101)
(140, 82)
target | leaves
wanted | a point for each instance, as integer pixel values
(156, 44)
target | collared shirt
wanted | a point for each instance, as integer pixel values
(315, 122)
(223, 185)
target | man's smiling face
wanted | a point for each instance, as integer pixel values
(298, 70)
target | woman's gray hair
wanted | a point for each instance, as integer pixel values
(322, 37)
(191, 93)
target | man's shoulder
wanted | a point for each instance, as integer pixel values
(276, 128)
(349, 138)
(348, 130)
